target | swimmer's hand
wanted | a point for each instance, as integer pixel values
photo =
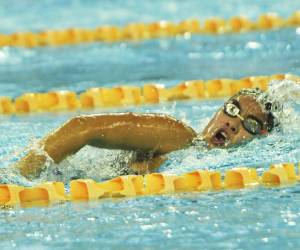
(32, 164)
(148, 165)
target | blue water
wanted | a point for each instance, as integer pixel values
(167, 61)
(33, 15)
(241, 219)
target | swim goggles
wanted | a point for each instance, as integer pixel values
(251, 124)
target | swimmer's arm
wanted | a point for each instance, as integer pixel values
(140, 132)
(155, 133)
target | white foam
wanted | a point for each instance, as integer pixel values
(89, 162)
(287, 93)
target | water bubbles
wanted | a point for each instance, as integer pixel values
(284, 95)
(91, 219)
(187, 35)
(292, 223)
(90, 162)
(147, 227)
(168, 233)
(218, 55)
(253, 45)
(3, 56)
(194, 55)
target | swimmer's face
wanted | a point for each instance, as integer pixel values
(224, 130)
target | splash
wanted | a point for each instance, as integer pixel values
(89, 163)
(286, 94)
(11, 175)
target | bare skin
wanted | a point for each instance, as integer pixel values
(232, 126)
(158, 134)
(144, 133)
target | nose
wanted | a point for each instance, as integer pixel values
(233, 126)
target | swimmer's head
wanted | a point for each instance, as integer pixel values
(248, 114)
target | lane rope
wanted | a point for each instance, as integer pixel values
(101, 97)
(150, 184)
(146, 31)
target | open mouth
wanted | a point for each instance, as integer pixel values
(220, 138)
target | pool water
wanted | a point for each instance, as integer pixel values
(240, 219)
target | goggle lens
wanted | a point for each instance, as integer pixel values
(231, 109)
(250, 124)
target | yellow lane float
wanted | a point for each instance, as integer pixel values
(133, 95)
(145, 31)
(150, 184)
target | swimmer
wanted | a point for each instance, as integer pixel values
(248, 114)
